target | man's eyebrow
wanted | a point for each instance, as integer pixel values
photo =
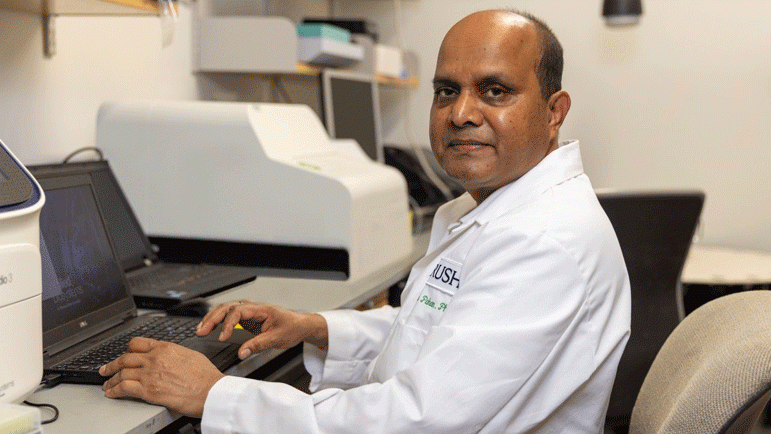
(491, 79)
(443, 81)
(484, 81)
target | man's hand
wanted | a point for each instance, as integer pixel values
(273, 327)
(162, 373)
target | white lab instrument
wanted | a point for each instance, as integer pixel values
(261, 184)
(21, 323)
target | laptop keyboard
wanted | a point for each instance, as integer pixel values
(170, 329)
(163, 276)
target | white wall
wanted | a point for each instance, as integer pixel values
(48, 105)
(683, 100)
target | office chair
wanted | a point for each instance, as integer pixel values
(713, 374)
(655, 231)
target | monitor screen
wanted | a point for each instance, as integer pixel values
(351, 109)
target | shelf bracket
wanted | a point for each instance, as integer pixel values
(49, 35)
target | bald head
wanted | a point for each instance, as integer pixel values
(492, 26)
(484, 19)
(489, 30)
(484, 22)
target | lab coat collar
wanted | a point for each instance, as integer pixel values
(560, 165)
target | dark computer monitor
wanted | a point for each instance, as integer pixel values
(351, 109)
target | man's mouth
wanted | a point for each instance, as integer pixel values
(467, 145)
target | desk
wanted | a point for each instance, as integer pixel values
(83, 408)
(713, 271)
(713, 265)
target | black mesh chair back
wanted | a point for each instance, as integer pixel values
(655, 231)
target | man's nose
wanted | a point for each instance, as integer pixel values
(465, 111)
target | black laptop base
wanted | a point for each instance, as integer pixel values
(83, 368)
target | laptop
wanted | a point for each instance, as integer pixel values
(86, 300)
(154, 283)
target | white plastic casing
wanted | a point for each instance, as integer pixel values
(21, 324)
(263, 173)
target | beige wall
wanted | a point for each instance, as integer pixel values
(681, 101)
(48, 105)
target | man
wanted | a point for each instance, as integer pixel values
(515, 319)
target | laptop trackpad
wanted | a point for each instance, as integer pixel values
(222, 354)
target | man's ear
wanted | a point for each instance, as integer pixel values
(558, 105)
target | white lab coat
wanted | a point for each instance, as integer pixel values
(513, 322)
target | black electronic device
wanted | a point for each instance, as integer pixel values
(155, 284)
(196, 307)
(419, 185)
(87, 305)
(421, 188)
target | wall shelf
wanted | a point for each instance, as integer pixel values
(220, 52)
(83, 7)
(48, 9)
(311, 70)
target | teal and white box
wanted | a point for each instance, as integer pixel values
(320, 30)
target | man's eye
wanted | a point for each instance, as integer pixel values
(443, 92)
(495, 91)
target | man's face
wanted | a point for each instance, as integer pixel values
(489, 123)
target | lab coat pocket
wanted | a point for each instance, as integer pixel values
(410, 333)
(431, 304)
(395, 358)
(417, 316)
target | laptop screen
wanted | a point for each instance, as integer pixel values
(131, 245)
(83, 284)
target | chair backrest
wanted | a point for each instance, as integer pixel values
(713, 374)
(655, 230)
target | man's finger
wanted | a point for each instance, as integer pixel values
(128, 360)
(259, 344)
(125, 388)
(127, 374)
(141, 344)
(252, 346)
(211, 319)
(229, 323)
